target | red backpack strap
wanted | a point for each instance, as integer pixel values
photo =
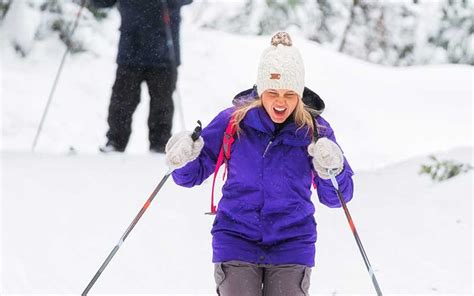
(312, 180)
(224, 156)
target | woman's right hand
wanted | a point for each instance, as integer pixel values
(181, 149)
(327, 156)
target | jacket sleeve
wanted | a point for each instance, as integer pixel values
(103, 3)
(198, 170)
(326, 192)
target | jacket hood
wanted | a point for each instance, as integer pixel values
(310, 98)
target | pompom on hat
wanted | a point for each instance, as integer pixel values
(281, 66)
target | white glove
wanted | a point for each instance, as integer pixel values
(181, 149)
(326, 155)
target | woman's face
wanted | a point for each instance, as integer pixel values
(279, 103)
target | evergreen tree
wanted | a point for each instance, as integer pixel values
(364, 34)
(455, 31)
(398, 33)
(400, 25)
(324, 21)
(381, 32)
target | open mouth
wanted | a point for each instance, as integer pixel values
(279, 110)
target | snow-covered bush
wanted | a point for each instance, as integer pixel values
(442, 170)
(59, 17)
(27, 21)
(20, 25)
(4, 5)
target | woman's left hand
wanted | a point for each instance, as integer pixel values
(326, 156)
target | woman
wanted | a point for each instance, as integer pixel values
(264, 232)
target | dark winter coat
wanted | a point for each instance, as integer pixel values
(143, 40)
(265, 215)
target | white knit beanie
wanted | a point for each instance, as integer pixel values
(281, 66)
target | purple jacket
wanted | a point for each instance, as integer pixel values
(265, 215)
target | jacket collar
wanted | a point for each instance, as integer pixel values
(258, 119)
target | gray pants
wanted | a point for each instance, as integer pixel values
(237, 278)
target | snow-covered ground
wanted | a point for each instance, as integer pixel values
(62, 214)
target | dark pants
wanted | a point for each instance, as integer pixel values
(161, 84)
(237, 278)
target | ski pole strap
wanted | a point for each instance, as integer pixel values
(224, 156)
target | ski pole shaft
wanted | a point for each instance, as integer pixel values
(56, 79)
(172, 55)
(195, 135)
(126, 233)
(169, 34)
(356, 235)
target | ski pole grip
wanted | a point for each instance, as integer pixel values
(197, 131)
(333, 179)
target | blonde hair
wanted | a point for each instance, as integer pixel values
(301, 115)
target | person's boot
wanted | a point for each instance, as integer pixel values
(111, 146)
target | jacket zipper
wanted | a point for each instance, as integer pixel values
(268, 146)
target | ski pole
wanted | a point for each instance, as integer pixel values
(195, 135)
(354, 232)
(58, 74)
(172, 54)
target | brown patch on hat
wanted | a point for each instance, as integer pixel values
(281, 38)
(275, 76)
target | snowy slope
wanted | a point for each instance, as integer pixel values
(62, 214)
